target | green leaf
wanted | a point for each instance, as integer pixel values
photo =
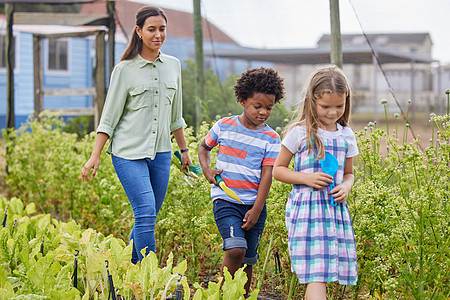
(180, 268)
(63, 278)
(30, 208)
(16, 206)
(73, 293)
(41, 274)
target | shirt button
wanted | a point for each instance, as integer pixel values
(156, 92)
(154, 132)
(156, 78)
(155, 119)
(156, 105)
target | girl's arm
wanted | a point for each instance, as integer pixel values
(281, 172)
(181, 142)
(341, 192)
(94, 160)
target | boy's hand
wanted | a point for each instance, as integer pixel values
(318, 180)
(210, 175)
(250, 219)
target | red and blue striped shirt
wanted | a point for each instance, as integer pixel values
(242, 153)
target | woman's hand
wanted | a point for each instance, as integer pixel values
(185, 162)
(92, 163)
(94, 160)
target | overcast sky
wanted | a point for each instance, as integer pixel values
(300, 23)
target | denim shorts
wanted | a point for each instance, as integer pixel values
(228, 217)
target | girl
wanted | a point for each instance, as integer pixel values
(142, 108)
(320, 236)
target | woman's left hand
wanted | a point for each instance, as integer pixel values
(185, 162)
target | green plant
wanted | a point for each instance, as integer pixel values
(44, 164)
(399, 210)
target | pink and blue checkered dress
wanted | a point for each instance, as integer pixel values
(320, 237)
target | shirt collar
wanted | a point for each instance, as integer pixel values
(141, 62)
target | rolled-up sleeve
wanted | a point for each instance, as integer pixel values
(114, 103)
(177, 120)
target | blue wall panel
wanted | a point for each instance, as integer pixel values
(80, 73)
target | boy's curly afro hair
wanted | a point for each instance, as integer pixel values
(259, 80)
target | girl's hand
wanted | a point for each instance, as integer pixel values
(250, 218)
(340, 192)
(318, 180)
(92, 163)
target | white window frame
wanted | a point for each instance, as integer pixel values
(47, 60)
(16, 52)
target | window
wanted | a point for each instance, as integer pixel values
(58, 55)
(3, 51)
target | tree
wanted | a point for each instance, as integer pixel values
(219, 98)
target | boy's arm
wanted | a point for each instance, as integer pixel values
(252, 216)
(204, 158)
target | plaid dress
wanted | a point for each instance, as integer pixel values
(320, 237)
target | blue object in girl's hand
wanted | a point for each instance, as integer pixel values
(330, 166)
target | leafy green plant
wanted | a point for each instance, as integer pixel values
(399, 210)
(232, 289)
(44, 164)
(45, 269)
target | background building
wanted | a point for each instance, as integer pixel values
(397, 67)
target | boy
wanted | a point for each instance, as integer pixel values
(247, 151)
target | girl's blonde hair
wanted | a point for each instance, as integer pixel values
(325, 80)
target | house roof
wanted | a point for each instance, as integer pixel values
(379, 39)
(180, 24)
(320, 55)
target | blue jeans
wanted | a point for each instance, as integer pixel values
(228, 217)
(145, 182)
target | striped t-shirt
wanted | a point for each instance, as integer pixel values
(242, 153)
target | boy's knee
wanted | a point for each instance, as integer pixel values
(235, 255)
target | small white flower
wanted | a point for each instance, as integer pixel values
(384, 101)
(396, 115)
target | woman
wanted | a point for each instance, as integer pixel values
(142, 108)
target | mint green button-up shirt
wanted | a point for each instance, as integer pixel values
(143, 106)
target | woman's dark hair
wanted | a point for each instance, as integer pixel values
(134, 47)
(259, 80)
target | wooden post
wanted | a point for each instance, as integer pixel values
(198, 35)
(10, 115)
(38, 76)
(110, 5)
(335, 37)
(100, 78)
